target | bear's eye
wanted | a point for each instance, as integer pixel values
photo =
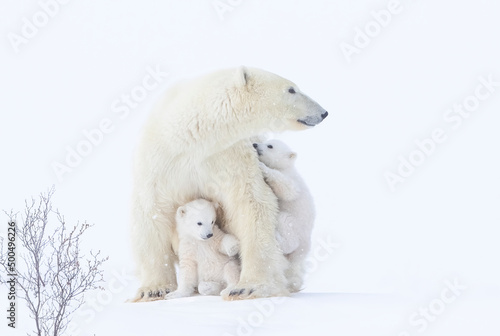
(199, 223)
(270, 146)
(291, 90)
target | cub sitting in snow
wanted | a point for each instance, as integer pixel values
(206, 254)
(296, 206)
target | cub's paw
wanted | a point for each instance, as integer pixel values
(248, 291)
(152, 293)
(209, 288)
(295, 284)
(265, 169)
(176, 295)
(230, 245)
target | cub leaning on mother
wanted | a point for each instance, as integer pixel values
(196, 144)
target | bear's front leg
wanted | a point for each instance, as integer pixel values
(251, 215)
(151, 237)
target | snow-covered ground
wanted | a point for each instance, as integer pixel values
(412, 88)
(301, 314)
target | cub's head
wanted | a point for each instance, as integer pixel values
(196, 219)
(275, 154)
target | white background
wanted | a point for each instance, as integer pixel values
(440, 223)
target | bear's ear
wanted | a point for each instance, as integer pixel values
(241, 76)
(292, 155)
(181, 211)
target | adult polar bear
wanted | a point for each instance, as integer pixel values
(201, 130)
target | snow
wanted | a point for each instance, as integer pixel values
(311, 313)
(394, 249)
(300, 314)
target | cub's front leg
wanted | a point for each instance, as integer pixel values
(230, 245)
(188, 273)
(284, 187)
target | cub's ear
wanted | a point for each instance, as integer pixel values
(181, 211)
(216, 205)
(241, 76)
(292, 155)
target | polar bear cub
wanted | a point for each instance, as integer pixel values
(206, 254)
(296, 217)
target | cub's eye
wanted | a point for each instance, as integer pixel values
(199, 223)
(213, 222)
(270, 146)
(291, 90)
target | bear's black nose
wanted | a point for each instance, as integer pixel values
(210, 235)
(324, 115)
(255, 145)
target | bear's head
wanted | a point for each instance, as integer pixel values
(278, 103)
(196, 219)
(275, 154)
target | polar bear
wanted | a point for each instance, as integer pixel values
(296, 205)
(196, 144)
(206, 254)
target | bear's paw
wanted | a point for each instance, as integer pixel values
(153, 293)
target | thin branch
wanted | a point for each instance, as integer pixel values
(54, 275)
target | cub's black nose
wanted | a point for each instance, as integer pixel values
(324, 115)
(210, 235)
(255, 145)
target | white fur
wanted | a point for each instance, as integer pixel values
(296, 217)
(205, 261)
(196, 144)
